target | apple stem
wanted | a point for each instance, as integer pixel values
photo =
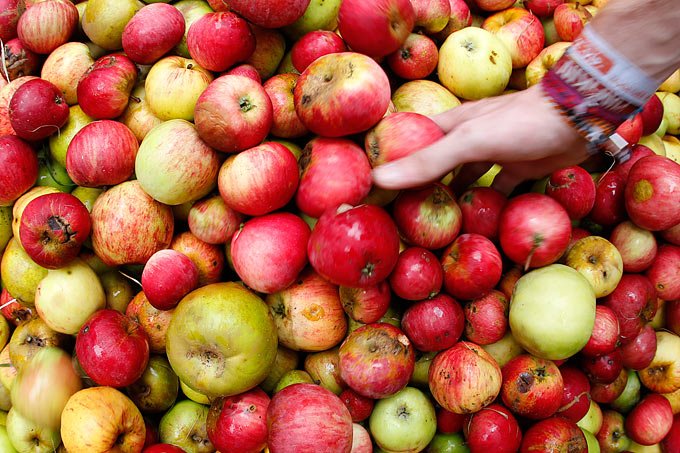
(8, 303)
(129, 277)
(4, 65)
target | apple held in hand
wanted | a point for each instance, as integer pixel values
(239, 422)
(104, 90)
(167, 277)
(152, 32)
(37, 109)
(20, 168)
(652, 198)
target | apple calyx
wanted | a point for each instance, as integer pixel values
(59, 230)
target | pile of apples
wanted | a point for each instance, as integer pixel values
(194, 258)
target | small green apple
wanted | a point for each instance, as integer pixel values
(630, 396)
(185, 426)
(58, 143)
(422, 368)
(671, 111)
(319, 15)
(53, 174)
(448, 443)
(88, 195)
(292, 377)
(592, 421)
(158, 387)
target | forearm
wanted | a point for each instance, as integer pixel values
(647, 32)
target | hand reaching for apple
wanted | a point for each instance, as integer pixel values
(521, 131)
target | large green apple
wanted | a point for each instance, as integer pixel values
(5, 226)
(222, 339)
(403, 422)
(552, 312)
(185, 426)
(105, 20)
(319, 15)
(77, 119)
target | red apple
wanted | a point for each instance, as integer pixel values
(472, 266)
(20, 60)
(637, 152)
(245, 70)
(239, 422)
(102, 154)
(574, 189)
(634, 303)
(314, 45)
(435, 324)
(534, 230)
(356, 247)
(570, 18)
(631, 129)
(532, 387)
(603, 369)
(543, 8)
(607, 393)
(605, 336)
(152, 321)
(269, 251)
(520, 31)
(671, 442)
(673, 316)
(37, 109)
(19, 165)
(509, 279)
(162, 448)
(212, 221)
(366, 305)
(47, 25)
(428, 217)
(415, 59)
(269, 13)
(167, 277)
(492, 5)
(481, 208)
(259, 180)
(493, 429)
(152, 32)
(672, 234)
(112, 348)
(486, 318)
(609, 208)
(307, 417)
(449, 422)
(8, 22)
(612, 436)
(281, 91)
(398, 135)
(650, 421)
(663, 273)
(53, 228)
(636, 245)
(417, 274)
(459, 18)
(233, 114)
(104, 90)
(651, 115)
(554, 435)
(576, 395)
(375, 28)
(639, 353)
(342, 93)
(332, 171)
(376, 360)
(431, 15)
(360, 407)
(6, 94)
(219, 40)
(208, 258)
(651, 199)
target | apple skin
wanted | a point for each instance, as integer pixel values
(637, 246)
(650, 421)
(104, 90)
(102, 153)
(281, 91)
(638, 152)
(65, 66)
(246, 70)
(651, 115)
(663, 272)
(270, 49)
(25, 435)
(599, 261)
(331, 108)
(417, 274)
(651, 198)
(532, 387)
(103, 21)
(555, 434)
(269, 252)
(97, 418)
(570, 18)
(157, 389)
(148, 225)
(634, 303)
(163, 448)
(219, 40)
(672, 439)
(543, 8)
(520, 31)
(423, 96)
(212, 221)
(47, 25)
(234, 113)
(464, 378)
(486, 318)
(359, 407)
(184, 425)
(576, 394)
(435, 324)
(366, 305)
(8, 22)
(472, 266)
(324, 369)
(481, 208)
(112, 348)
(6, 94)
(20, 168)
(306, 417)
(672, 234)
(152, 32)
(356, 247)
(153, 322)
(544, 61)
(672, 310)
(612, 436)
(605, 336)
(314, 45)
(239, 422)
(37, 109)
(663, 374)
(459, 18)
(574, 188)
(605, 393)
(493, 428)
(270, 14)
(639, 353)
(492, 5)
(168, 276)
(13, 310)
(603, 369)
(416, 58)
(208, 258)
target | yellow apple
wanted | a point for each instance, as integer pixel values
(20, 273)
(671, 111)
(319, 15)
(138, 115)
(634, 447)
(28, 436)
(193, 395)
(599, 261)
(663, 374)
(105, 20)
(5, 226)
(504, 349)
(672, 83)
(672, 147)
(674, 399)
(655, 143)
(545, 60)
(423, 96)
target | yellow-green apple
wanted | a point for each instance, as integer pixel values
(104, 21)
(405, 421)
(574, 188)
(459, 18)
(650, 201)
(5, 226)
(423, 96)
(43, 387)
(219, 40)
(639, 353)
(650, 421)
(435, 324)
(292, 377)
(532, 387)
(59, 143)
(549, 30)
(605, 335)
(542, 8)
(29, 338)
(654, 141)
(26, 435)
(663, 373)
(8, 373)
(68, 296)
(6, 95)
(575, 400)
(156, 390)
(193, 395)
(234, 113)
(366, 305)
(570, 18)
(285, 122)
(630, 395)
(671, 111)
(286, 360)
(146, 223)
(101, 419)
(212, 221)
(612, 436)
(168, 276)
(464, 378)
(20, 274)
(6, 444)
(8, 22)
(637, 246)
(317, 16)
(672, 146)
(493, 429)
(192, 10)
(239, 422)
(268, 13)
(431, 15)
(47, 25)
(324, 369)
(270, 48)
(314, 45)
(173, 86)
(504, 349)
(118, 290)
(308, 313)
(339, 83)
(634, 303)
(4, 324)
(152, 321)
(104, 90)
(474, 64)
(520, 31)
(354, 246)
(635, 447)
(672, 83)
(554, 434)
(599, 261)
(137, 115)
(20, 168)
(208, 258)
(270, 251)
(233, 347)
(65, 66)
(152, 32)
(37, 109)
(415, 59)
(544, 61)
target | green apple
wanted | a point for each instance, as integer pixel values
(68, 296)
(591, 441)
(487, 178)
(20, 274)
(5, 444)
(105, 20)
(634, 447)
(193, 395)
(423, 96)
(319, 15)
(58, 143)
(592, 421)
(672, 146)
(185, 426)
(5, 226)
(53, 174)
(403, 422)
(671, 111)
(270, 48)
(549, 30)
(118, 290)
(448, 443)
(26, 436)
(422, 368)
(286, 360)
(630, 396)
(95, 262)
(192, 10)
(158, 387)
(552, 312)
(222, 339)
(474, 64)
(504, 349)
(292, 377)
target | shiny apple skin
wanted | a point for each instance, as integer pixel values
(20, 168)
(576, 396)
(634, 302)
(219, 40)
(481, 208)
(435, 324)
(554, 435)
(605, 336)
(417, 274)
(639, 353)
(653, 193)
(493, 428)
(609, 208)
(104, 90)
(532, 387)
(152, 32)
(37, 109)
(238, 423)
(650, 421)
(574, 188)
(472, 266)
(486, 318)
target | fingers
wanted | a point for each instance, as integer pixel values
(506, 181)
